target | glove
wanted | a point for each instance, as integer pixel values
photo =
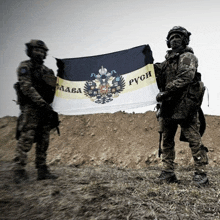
(161, 96)
(49, 108)
(46, 107)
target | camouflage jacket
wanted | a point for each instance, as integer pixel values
(34, 89)
(175, 75)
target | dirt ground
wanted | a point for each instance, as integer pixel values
(125, 140)
(107, 164)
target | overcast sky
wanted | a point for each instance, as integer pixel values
(80, 28)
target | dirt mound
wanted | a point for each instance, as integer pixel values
(122, 139)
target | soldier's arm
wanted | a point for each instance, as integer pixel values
(26, 86)
(159, 75)
(187, 66)
(49, 78)
(158, 68)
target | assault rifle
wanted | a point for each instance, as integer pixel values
(160, 120)
(160, 84)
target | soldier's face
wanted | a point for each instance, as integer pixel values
(38, 54)
(175, 41)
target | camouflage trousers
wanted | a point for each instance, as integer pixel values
(31, 129)
(191, 132)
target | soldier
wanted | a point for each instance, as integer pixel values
(174, 78)
(35, 90)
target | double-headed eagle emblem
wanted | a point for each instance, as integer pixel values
(105, 86)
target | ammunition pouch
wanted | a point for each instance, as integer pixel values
(50, 80)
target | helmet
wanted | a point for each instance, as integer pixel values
(33, 44)
(180, 30)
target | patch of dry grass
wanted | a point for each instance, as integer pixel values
(108, 192)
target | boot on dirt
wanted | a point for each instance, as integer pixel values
(167, 177)
(20, 176)
(200, 179)
(44, 173)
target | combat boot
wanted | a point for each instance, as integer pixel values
(200, 179)
(20, 176)
(168, 177)
(44, 173)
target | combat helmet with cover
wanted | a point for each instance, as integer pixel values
(35, 44)
(181, 30)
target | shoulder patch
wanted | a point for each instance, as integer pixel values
(23, 70)
(186, 61)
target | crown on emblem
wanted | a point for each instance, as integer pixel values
(103, 71)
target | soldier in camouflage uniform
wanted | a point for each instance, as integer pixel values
(174, 76)
(35, 95)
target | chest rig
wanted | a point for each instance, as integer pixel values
(38, 72)
(170, 68)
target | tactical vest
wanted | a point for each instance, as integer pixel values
(185, 102)
(43, 80)
(42, 86)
